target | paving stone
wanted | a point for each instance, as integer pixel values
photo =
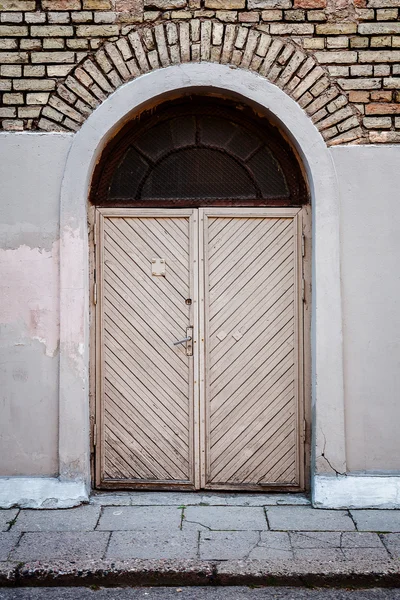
(111, 499)
(305, 518)
(356, 539)
(225, 518)
(136, 518)
(368, 554)
(377, 520)
(6, 516)
(253, 500)
(273, 545)
(82, 518)
(153, 544)
(392, 543)
(227, 545)
(315, 540)
(62, 545)
(325, 555)
(7, 542)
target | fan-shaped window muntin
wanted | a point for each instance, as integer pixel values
(199, 152)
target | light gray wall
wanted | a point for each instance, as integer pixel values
(369, 179)
(31, 170)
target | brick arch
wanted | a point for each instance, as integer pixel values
(145, 49)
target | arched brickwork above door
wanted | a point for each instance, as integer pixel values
(154, 47)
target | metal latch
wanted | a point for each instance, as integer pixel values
(188, 341)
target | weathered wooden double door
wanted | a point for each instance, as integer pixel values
(199, 349)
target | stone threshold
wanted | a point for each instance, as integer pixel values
(203, 498)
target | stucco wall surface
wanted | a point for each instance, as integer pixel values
(369, 180)
(31, 172)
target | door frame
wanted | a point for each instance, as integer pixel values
(302, 317)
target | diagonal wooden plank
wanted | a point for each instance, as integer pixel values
(257, 449)
(225, 387)
(118, 450)
(251, 370)
(141, 255)
(241, 232)
(251, 469)
(222, 313)
(245, 430)
(252, 342)
(285, 462)
(143, 464)
(215, 226)
(135, 401)
(149, 373)
(154, 342)
(151, 290)
(153, 443)
(172, 412)
(170, 228)
(236, 263)
(276, 378)
(176, 282)
(248, 315)
(248, 265)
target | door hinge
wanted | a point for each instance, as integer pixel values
(304, 429)
(303, 289)
(303, 244)
(94, 434)
(94, 235)
(94, 293)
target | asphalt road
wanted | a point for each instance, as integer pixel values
(196, 593)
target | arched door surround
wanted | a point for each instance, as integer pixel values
(86, 148)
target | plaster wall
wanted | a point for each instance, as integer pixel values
(369, 181)
(31, 177)
(31, 170)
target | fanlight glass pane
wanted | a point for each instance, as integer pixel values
(198, 173)
(209, 156)
(223, 133)
(130, 172)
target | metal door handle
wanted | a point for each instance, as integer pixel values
(188, 340)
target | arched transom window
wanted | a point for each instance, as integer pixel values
(199, 152)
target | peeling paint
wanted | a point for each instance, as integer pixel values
(29, 292)
(73, 297)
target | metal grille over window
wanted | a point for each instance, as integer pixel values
(197, 152)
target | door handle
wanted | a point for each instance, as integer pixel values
(188, 340)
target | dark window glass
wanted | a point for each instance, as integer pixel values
(128, 175)
(199, 151)
(198, 173)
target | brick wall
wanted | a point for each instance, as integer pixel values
(340, 59)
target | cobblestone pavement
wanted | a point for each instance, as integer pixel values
(209, 527)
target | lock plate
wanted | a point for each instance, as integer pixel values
(189, 343)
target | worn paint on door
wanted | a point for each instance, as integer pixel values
(223, 409)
